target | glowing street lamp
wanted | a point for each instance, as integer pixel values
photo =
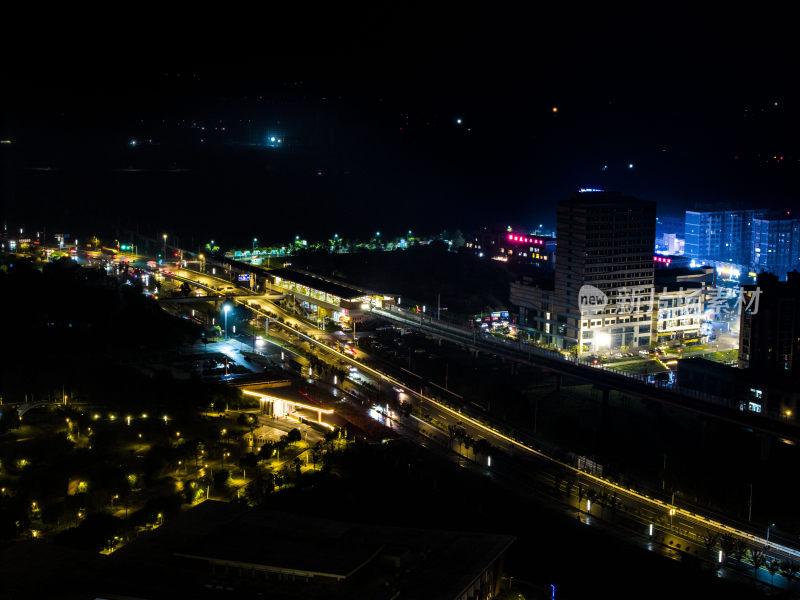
(226, 309)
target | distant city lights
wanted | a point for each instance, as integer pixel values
(274, 140)
(524, 239)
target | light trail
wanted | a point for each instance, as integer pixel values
(653, 502)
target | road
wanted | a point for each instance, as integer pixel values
(675, 522)
(599, 374)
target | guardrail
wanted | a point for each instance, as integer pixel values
(524, 351)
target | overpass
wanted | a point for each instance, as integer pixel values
(605, 377)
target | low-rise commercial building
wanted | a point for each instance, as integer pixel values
(513, 247)
(324, 298)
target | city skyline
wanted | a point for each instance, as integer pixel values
(492, 130)
(400, 301)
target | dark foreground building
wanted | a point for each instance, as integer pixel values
(768, 377)
(218, 549)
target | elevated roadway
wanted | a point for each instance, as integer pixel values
(601, 375)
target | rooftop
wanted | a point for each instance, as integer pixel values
(317, 282)
(370, 561)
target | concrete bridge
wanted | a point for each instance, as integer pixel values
(604, 377)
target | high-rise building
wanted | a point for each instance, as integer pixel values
(776, 245)
(769, 324)
(720, 236)
(603, 289)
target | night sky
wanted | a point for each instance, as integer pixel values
(368, 106)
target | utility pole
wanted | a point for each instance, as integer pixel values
(750, 504)
(438, 306)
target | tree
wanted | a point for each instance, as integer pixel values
(297, 463)
(248, 461)
(773, 566)
(482, 447)
(262, 485)
(266, 451)
(294, 435)
(96, 533)
(316, 453)
(710, 540)
(789, 569)
(221, 479)
(727, 544)
(758, 558)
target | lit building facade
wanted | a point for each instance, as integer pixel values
(679, 314)
(602, 292)
(720, 236)
(776, 245)
(325, 299)
(514, 247)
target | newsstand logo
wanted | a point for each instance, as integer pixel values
(591, 300)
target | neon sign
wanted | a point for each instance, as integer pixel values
(524, 239)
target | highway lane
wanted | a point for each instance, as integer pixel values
(685, 399)
(652, 508)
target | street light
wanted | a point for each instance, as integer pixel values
(165, 245)
(226, 309)
(254, 244)
(768, 528)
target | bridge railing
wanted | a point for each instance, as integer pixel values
(527, 350)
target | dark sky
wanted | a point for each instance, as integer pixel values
(368, 103)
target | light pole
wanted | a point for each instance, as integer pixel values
(672, 510)
(768, 528)
(165, 246)
(226, 309)
(254, 244)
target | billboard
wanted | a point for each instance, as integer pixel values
(244, 277)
